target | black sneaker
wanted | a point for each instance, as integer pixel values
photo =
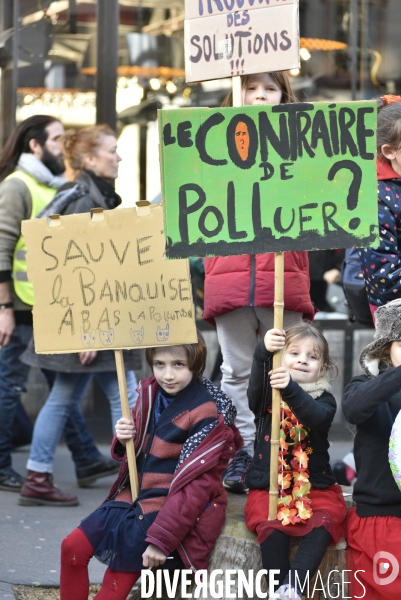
(102, 467)
(10, 481)
(340, 472)
(233, 480)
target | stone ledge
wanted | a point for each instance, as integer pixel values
(237, 549)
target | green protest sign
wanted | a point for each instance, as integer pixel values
(260, 179)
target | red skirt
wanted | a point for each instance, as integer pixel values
(366, 537)
(328, 508)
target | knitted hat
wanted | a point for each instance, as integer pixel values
(388, 329)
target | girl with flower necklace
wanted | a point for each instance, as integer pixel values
(310, 502)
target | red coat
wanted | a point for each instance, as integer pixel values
(248, 280)
(193, 515)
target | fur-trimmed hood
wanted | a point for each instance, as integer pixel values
(388, 329)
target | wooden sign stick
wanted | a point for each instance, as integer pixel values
(276, 395)
(237, 90)
(122, 385)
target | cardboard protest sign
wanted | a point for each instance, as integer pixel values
(100, 282)
(239, 37)
(260, 179)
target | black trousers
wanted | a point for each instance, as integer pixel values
(306, 560)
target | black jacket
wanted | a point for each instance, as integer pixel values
(87, 196)
(91, 195)
(315, 414)
(372, 405)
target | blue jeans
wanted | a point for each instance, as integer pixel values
(65, 396)
(13, 378)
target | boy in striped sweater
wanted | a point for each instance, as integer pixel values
(184, 434)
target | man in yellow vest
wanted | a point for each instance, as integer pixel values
(31, 171)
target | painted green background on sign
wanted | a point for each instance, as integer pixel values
(259, 179)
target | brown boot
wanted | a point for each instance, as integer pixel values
(38, 490)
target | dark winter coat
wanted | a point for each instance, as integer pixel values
(193, 512)
(381, 265)
(90, 194)
(248, 280)
(87, 196)
(372, 404)
(315, 414)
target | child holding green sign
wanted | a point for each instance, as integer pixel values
(239, 293)
(310, 503)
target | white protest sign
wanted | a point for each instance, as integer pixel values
(100, 281)
(225, 38)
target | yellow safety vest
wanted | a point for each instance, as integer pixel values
(41, 196)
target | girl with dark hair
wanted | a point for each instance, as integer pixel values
(381, 265)
(183, 431)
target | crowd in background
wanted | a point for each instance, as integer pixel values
(235, 294)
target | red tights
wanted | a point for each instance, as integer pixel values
(76, 552)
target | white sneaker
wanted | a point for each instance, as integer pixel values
(285, 591)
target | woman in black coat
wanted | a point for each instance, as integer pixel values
(92, 155)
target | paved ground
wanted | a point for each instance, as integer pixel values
(30, 537)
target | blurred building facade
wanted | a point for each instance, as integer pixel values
(88, 61)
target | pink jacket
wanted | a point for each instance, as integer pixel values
(248, 280)
(194, 512)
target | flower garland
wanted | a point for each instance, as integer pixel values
(390, 98)
(294, 506)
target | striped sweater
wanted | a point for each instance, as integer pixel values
(181, 459)
(186, 415)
